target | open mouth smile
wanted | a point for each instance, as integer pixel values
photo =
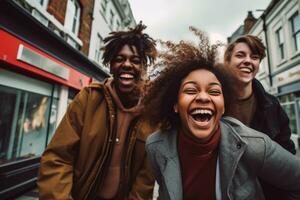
(246, 69)
(202, 115)
(126, 78)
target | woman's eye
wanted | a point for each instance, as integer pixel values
(190, 91)
(215, 92)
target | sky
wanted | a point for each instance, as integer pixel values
(170, 19)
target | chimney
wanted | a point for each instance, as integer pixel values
(249, 22)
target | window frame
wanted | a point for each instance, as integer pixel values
(72, 21)
(279, 43)
(295, 33)
(98, 48)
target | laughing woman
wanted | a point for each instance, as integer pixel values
(197, 154)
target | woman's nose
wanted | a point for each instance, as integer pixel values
(202, 97)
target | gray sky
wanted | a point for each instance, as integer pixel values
(170, 19)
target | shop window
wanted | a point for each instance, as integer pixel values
(73, 16)
(26, 120)
(53, 119)
(280, 43)
(290, 110)
(295, 27)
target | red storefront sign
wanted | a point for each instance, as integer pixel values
(23, 55)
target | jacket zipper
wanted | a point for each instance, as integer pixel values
(124, 180)
(112, 136)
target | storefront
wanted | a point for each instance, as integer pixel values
(288, 86)
(39, 76)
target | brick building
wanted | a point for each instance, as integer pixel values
(47, 54)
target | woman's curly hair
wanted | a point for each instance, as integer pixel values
(178, 61)
(145, 45)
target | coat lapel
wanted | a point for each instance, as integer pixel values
(171, 172)
(231, 150)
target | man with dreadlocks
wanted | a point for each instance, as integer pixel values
(98, 150)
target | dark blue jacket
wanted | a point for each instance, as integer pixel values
(271, 119)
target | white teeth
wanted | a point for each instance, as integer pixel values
(246, 69)
(126, 76)
(202, 111)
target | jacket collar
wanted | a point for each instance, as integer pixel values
(171, 169)
(231, 149)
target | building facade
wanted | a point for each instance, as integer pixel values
(108, 16)
(49, 50)
(45, 59)
(279, 29)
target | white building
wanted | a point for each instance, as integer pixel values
(68, 29)
(279, 28)
(108, 15)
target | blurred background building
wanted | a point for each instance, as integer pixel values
(49, 50)
(279, 28)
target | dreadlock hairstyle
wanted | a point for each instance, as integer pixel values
(178, 61)
(145, 45)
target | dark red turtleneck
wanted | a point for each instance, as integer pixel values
(198, 166)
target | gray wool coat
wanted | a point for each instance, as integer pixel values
(244, 156)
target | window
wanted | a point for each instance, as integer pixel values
(72, 42)
(73, 16)
(26, 118)
(112, 17)
(290, 110)
(104, 6)
(99, 44)
(118, 25)
(295, 27)
(43, 3)
(280, 44)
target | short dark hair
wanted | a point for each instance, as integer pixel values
(255, 44)
(179, 60)
(144, 44)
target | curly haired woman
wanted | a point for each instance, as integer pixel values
(198, 154)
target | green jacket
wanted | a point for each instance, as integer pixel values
(75, 162)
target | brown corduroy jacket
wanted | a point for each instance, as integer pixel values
(75, 162)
